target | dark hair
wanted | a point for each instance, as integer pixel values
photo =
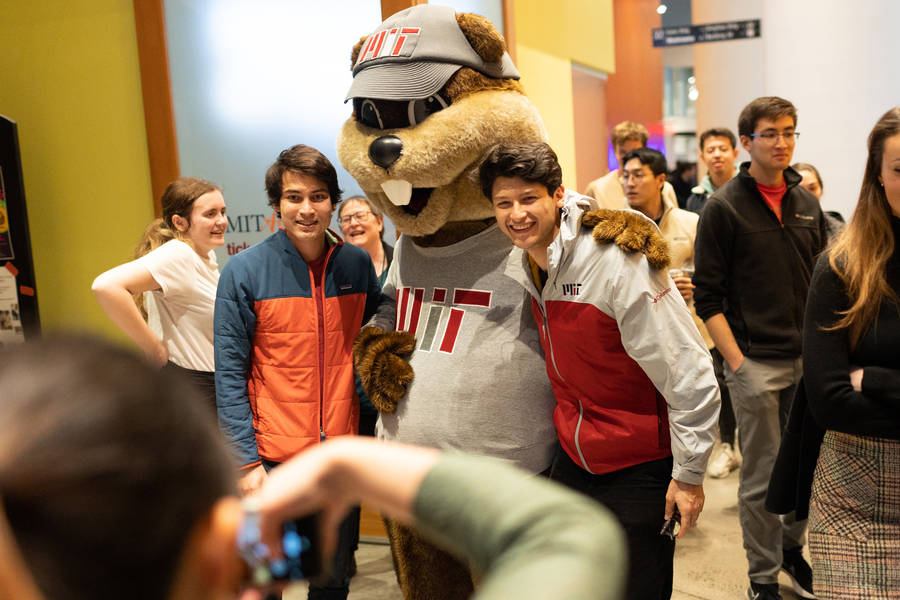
(106, 467)
(535, 162)
(718, 132)
(860, 255)
(654, 159)
(178, 199)
(301, 159)
(767, 107)
(808, 167)
(629, 130)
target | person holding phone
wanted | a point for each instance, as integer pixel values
(140, 500)
(175, 274)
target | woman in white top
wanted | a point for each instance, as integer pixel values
(180, 276)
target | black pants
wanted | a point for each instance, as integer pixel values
(204, 382)
(336, 585)
(637, 496)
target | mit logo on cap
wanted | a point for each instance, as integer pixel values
(413, 54)
(392, 42)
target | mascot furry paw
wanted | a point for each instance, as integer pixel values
(432, 92)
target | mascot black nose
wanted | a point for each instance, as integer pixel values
(385, 150)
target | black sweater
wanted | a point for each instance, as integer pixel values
(754, 268)
(827, 358)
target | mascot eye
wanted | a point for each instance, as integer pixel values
(419, 110)
(367, 114)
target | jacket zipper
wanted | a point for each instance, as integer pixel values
(321, 348)
(563, 379)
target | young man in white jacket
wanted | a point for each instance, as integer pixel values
(637, 399)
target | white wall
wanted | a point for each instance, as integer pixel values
(835, 60)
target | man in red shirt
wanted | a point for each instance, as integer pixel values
(757, 242)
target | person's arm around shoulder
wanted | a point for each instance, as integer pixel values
(115, 290)
(658, 332)
(234, 323)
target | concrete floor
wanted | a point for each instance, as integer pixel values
(709, 562)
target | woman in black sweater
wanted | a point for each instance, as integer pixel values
(851, 352)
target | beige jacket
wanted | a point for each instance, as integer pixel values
(608, 193)
(679, 228)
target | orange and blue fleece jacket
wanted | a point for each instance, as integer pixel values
(283, 346)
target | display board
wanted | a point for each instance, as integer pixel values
(18, 299)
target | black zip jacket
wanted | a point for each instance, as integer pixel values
(755, 269)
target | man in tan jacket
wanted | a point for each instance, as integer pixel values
(607, 190)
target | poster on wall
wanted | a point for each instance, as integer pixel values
(18, 298)
(6, 249)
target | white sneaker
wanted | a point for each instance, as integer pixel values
(724, 462)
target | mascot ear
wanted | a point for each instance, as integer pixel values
(482, 36)
(356, 48)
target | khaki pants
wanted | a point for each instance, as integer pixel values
(761, 393)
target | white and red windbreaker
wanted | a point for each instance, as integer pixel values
(633, 379)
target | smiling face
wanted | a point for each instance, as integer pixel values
(528, 214)
(890, 173)
(306, 209)
(205, 230)
(359, 225)
(718, 155)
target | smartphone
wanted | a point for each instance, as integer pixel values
(301, 551)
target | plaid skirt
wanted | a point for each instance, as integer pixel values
(854, 518)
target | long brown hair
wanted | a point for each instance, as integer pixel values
(860, 254)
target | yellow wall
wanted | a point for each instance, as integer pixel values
(548, 83)
(69, 77)
(576, 30)
(550, 36)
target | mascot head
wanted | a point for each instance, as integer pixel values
(432, 92)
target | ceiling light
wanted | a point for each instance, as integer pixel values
(662, 8)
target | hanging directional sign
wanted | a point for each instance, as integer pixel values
(681, 35)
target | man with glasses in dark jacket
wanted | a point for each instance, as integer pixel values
(757, 241)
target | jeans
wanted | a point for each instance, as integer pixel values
(637, 496)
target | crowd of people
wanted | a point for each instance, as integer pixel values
(685, 347)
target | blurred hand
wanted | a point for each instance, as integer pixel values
(684, 286)
(157, 355)
(251, 481)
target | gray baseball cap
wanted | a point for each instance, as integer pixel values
(413, 54)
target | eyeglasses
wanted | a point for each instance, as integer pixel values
(636, 176)
(769, 137)
(361, 216)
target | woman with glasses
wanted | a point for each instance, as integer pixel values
(851, 334)
(362, 224)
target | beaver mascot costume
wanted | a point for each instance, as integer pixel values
(453, 359)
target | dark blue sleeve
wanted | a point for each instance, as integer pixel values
(234, 324)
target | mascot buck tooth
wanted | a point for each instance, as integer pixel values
(454, 359)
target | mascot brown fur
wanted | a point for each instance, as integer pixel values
(415, 151)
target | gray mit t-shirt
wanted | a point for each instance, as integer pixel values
(480, 382)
